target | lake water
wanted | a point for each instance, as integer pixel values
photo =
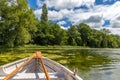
(92, 64)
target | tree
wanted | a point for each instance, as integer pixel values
(42, 36)
(85, 32)
(44, 15)
(3, 6)
(74, 37)
(58, 33)
(95, 38)
(50, 33)
(105, 34)
(105, 31)
(19, 23)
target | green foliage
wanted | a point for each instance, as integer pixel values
(74, 37)
(44, 16)
(83, 35)
(18, 23)
(85, 32)
(49, 33)
(19, 26)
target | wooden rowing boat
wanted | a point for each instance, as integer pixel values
(36, 67)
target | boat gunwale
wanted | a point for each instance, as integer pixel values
(65, 68)
(53, 62)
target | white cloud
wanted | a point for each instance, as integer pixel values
(65, 28)
(115, 23)
(68, 4)
(61, 23)
(58, 15)
(66, 12)
(63, 4)
(99, 13)
(38, 13)
(54, 15)
(94, 16)
(115, 31)
(94, 19)
(39, 3)
(109, 12)
(88, 3)
(112, 13)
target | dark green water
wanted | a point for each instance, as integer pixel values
(92, 64)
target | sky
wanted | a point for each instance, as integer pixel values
(97, 14)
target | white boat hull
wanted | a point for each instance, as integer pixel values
(33, 71)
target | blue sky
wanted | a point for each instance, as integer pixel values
(96, 13)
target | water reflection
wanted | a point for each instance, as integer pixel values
(105, 71)
(93, 64)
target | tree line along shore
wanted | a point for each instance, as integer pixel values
(19, 26)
